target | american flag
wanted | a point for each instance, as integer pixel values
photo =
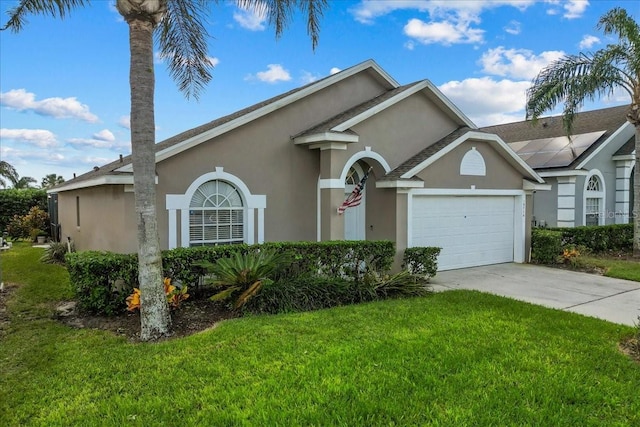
(355, 197)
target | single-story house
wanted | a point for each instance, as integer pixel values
(279, 170)
(591, 173)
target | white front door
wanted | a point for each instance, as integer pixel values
(354, 218)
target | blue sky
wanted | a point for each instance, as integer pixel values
(64, 90)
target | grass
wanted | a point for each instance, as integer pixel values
(618, 268)
(454, 358)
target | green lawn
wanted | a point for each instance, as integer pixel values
(618, 268)
(451, 359)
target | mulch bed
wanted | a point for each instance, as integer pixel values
(194, 315)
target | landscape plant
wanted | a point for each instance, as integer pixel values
(242, 275)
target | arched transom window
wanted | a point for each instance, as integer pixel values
(216, 215)
(352, 177)
(594, 201)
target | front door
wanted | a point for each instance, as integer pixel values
(354, 218)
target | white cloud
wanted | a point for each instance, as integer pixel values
(514, 27)
(60, 108)
(252, 19)
(588, 42)
(39, 137)
(487, 101)
(274, 74)
(334, 70)
(516, 63)
(125, 122)
(443, 32)
(16, 156)
(81, 143)
(367, 11)
(308, 77)
(410, 45)
(104, 135)
(575, 8)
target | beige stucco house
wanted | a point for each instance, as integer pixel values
(278, 171)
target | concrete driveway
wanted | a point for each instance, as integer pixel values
(614, 300)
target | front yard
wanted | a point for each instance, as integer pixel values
(454, 358)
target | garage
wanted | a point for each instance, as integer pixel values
(471, 229)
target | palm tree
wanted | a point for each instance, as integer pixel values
(52, 180)
(24, 182)
(7, 171)
(178, 26)
(575, 78)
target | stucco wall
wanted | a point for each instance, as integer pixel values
(107, 218)
(445, 173)
(545, 204)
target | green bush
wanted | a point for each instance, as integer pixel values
(599, 238)
(306, 293)
(546, 246)
(101, 281)
(241, 276)
(313, 292)
(30, 225)
(421, 261)
(56, 252)
(18, 202)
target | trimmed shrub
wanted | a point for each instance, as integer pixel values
(546, 246)
(421, 261)
(599, 238)
(306, 293)
(102, 280)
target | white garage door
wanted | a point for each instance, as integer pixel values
(471, 230)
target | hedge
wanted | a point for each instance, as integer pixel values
(421, 260)
(18, 202)
(546, 246)
(547, 243)
(599, 238)
(102, 280)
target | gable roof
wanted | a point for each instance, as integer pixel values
(189, 138)
(120, 171)
(600, 124)
(343, 121)
(427, 156)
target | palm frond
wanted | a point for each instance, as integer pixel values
(56, 8)
(617, 21)
(280, 13)
(182, 37)
(574, 79)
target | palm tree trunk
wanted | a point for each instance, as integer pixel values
(155, 319)
(635, 213)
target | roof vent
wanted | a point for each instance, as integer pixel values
(545, 124)
(74, 174)
(121, 158)
(96, 168)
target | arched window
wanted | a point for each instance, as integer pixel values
(216, 215)
(594, 199)
(473, 163)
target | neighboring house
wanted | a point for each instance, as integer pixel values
(278, 171)
(590, 174)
